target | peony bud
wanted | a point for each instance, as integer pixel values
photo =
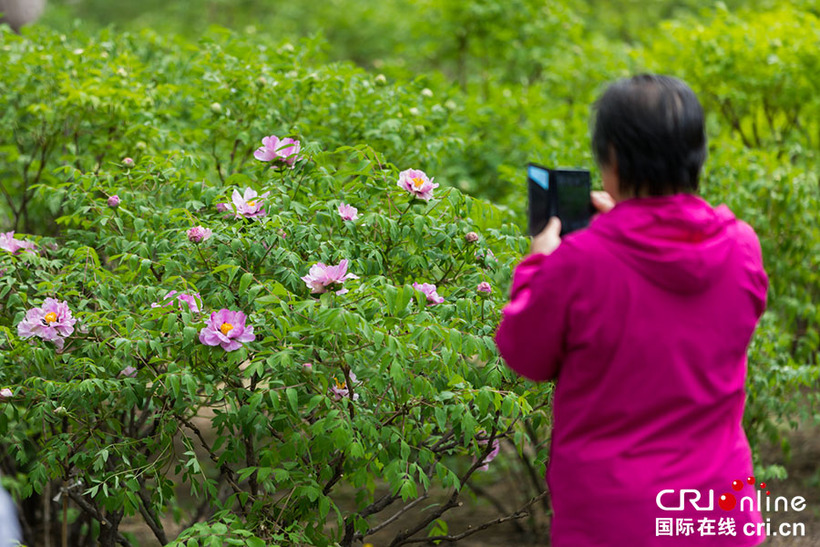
(471, 237)
(484, 287)
(114, 201)
(128, 162)
(198, 234)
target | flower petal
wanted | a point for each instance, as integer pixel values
(208, 337)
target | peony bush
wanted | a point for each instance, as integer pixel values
(172, 353)
(227, 344)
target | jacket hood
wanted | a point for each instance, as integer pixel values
(678, 242)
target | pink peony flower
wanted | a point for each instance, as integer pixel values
(128, 162)
(114, 201)
(192, 301)
(6, 393)
(278, 151)
(15, 246)
(484, 256)
(491, 456)
(348, 212)
(321, 276)
(248, 205)
(340, 390)
(430, 291)
(198, 234)
(484, 287)
(128, 372)
(52, 322)
(417, 183)
(226, 328)
(471, 237)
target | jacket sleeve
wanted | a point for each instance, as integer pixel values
(531, 335)
(759, 281)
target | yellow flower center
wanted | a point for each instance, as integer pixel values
(252, 203)
(339, 385)
(226, 328)
(418, 182)
(50, 317)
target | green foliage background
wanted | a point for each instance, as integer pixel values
(469, 91)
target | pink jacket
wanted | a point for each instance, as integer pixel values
(644, 319)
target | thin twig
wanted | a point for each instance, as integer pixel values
(520, 513)
(398, 513)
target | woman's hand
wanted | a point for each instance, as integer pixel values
(549, 239)
(602, 201)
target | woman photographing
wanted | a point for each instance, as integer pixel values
(643, 320)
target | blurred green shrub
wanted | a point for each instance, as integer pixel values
(781, 202)
(89, 102)
(755, 70)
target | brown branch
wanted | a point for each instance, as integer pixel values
(218, 163)
(520, 513)
(153, 271)
(229, 475)
(494, 501)
(149, 515)
(398, 513)
(95, 513)
(402, 538)
(207, 503)
(251, 460)
(337, 474)
(728, 111)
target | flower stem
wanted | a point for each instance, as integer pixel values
(202, 256)
(402, 213)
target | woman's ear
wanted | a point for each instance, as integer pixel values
(609, 174)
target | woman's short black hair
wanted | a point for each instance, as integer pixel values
(652, 126)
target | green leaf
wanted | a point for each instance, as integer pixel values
(293, 399)
(245, 282)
